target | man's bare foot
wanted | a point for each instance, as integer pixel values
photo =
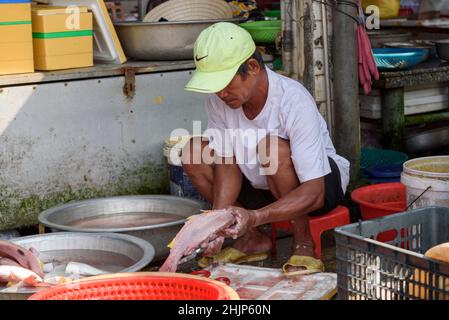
(253, 242)
(303, 248)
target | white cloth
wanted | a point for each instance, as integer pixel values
(291, 113)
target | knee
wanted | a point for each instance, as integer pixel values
(187, 153)
(274, 152)
(192, 154)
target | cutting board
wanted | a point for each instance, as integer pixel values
(257, 283)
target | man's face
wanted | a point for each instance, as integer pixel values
(239, 90)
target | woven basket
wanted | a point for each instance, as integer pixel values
(375, 157)
(181, 10)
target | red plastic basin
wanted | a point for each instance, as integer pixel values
(140, 286)
(381, 200)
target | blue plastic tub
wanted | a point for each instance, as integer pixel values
(384, 171)
(399, 58)
(181, 185)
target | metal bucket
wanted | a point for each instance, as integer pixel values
(84, 247)
(159, 235)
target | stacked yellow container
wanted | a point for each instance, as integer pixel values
(62, 37)
(16, 45)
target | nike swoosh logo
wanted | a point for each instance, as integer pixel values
(199, 59)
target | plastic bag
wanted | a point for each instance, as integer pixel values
(388, 8)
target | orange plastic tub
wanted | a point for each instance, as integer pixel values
(140, 286)
(381, 200)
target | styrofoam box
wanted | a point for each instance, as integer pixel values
(417, 100)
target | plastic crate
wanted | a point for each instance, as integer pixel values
(398, 270)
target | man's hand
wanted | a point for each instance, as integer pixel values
(244, 220)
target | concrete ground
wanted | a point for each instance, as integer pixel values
(284, 243)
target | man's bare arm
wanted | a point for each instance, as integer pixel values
(227, 182)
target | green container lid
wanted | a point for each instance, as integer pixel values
(263, 31)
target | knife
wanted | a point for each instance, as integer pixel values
(191, 256)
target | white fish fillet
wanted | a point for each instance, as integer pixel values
(48, 267)
(21, 273)
(58, 271)
(83, 269)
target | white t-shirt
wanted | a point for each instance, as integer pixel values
(291, 113)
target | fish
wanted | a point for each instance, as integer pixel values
(200, 231)
(14, 275)
(56, 280)
(48, 267)
(34, 251)
(83, 269)
(8, 262)
(58, 271)
(23, 256)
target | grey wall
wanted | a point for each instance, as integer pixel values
(81, 139)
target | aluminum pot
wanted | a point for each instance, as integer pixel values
(84, 247)
(159, 235)
(161, 40)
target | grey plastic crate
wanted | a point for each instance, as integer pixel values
(397, 270)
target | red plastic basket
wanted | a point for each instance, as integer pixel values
(140, 286)
(381, 200)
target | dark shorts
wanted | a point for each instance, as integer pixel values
(252, 198)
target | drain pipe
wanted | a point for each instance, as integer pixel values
(287, 41)
(295, 40)
(329, 115)
(300, 39)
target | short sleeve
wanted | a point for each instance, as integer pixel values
(220, 138)
(303, 123)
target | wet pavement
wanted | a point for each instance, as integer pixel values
(284, 243)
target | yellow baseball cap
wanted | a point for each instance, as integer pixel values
(219, 51)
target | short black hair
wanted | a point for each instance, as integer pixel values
(243, 70)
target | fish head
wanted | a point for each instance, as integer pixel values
(32, 281)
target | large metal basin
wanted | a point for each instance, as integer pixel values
(427, 140)
(126, 253)
(161, 40)
(159, 235)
